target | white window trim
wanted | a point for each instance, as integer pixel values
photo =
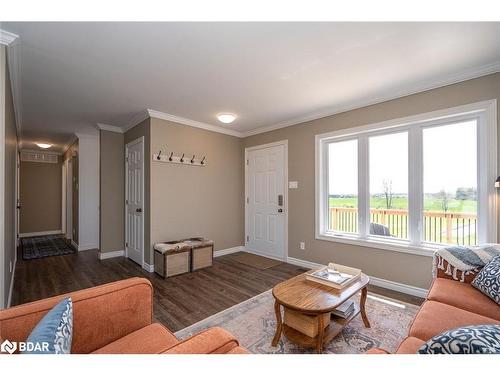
(485, 111)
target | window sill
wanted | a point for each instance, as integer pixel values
(427, 251)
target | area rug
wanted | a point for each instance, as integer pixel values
(253, 323)
(256, 261)
(45, 246)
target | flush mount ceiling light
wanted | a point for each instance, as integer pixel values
(226, 118)
(44, 145)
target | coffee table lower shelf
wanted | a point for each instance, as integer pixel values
(330, 332)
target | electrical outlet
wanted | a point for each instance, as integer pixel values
(302, 246)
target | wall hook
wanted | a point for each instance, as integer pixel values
(202, 161)
(192, 159)
(158, 156)
(182, 158)
(170, 158)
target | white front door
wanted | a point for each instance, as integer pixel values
(134, 195)
(265, 219)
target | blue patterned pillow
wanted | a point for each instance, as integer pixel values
(481, 339)
(54, 333)
(488, 279)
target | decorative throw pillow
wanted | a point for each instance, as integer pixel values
(481, 339)
(53, 334)
(488, 279)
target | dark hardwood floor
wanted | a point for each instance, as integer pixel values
(178, 301)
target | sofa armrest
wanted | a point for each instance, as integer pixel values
(211, 341)
(377, 351)
(101, 314)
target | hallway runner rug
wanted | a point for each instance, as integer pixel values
(45, 246)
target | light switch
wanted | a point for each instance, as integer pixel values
(293, 184)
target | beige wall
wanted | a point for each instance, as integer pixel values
(112, 196)
(197, 201)
(9, 245)
(144, 130)
(41, 196)
(404, 268)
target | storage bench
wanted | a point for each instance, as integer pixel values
(172, 258)
(178, 257)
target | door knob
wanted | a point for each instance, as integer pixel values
(138, 210)
(280, 210)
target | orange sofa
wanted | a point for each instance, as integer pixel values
(116, 318)
(449, 304)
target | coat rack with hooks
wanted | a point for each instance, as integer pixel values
(185, 159)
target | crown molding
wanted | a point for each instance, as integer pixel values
(14, 62)
(384, 97)
(197, 124)
(6, 37)
(110, 128)
(415, 89)
(136, 120)
(69, 144)
(86, 136)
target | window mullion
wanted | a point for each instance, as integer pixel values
(363, 187)
(415, 185)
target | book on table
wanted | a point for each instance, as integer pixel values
(334, 275)
(345, 310)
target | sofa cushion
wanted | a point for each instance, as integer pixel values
(482, 339)
(436, 317)
(53, 334)
(463, 296)
(238, 350)
(214, 340)
(410, 345)
(151, 339)
(488, 280)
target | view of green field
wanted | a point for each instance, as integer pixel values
(430, 204)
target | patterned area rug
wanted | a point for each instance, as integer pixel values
(45, 246)
(253, 323)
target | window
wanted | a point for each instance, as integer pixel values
(450, 184)
(388, 170)
(410, 184)
(343, 186)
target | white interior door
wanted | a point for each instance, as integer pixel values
(134, 195)
(265, 219)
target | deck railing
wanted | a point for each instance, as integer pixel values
(440, 227)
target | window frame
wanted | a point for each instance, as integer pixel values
(484, 112)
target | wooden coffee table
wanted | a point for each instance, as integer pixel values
(314, 300)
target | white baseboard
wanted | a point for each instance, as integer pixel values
(399, 287)
(45, 233)
(87, 247)
(111, 254)
(263, 254)
(9, 299)
(303, 263)
(387, 284)
(148, 267)
(230, 250)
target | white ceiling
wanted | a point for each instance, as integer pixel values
(75, 75)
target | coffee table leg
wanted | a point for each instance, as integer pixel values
(321, 332)
(279, 324)
(364, 293)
